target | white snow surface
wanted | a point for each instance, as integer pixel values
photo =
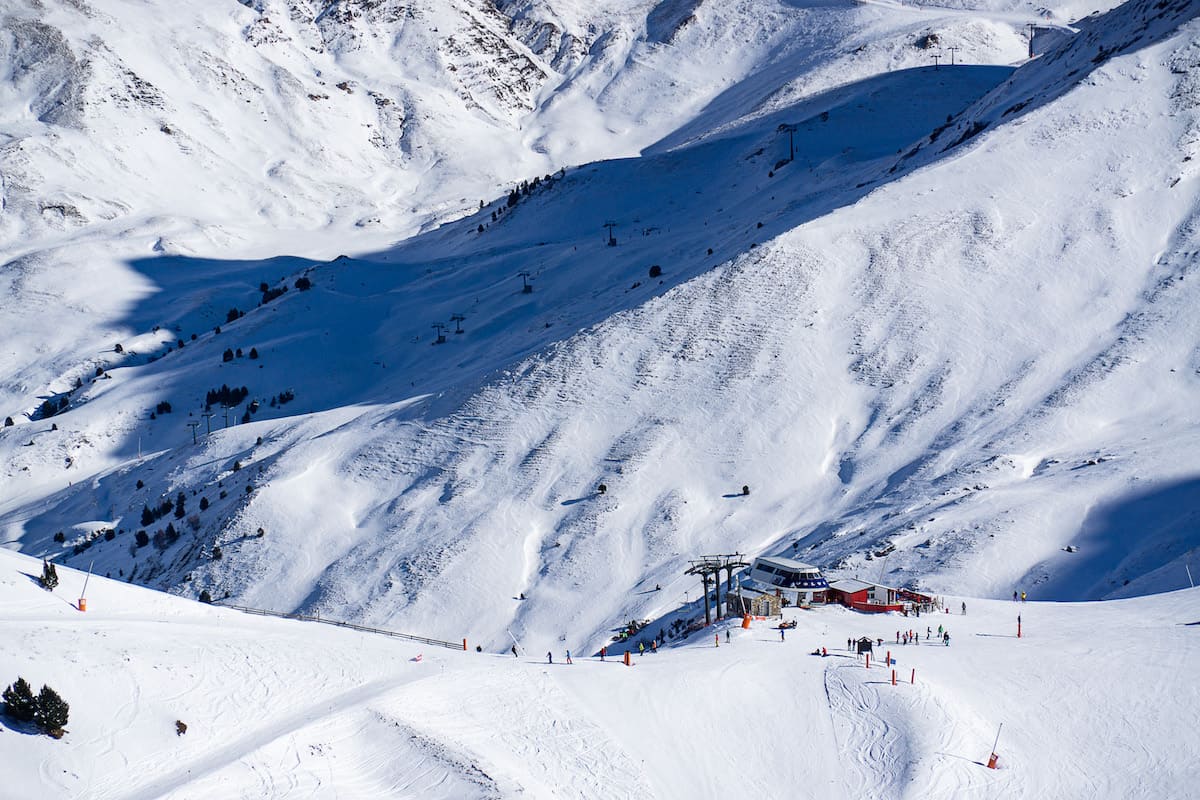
(951, 344)
(285, 709)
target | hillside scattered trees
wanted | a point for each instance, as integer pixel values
(225, 396)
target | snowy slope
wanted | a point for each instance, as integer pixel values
(959, 341)
(293, 709)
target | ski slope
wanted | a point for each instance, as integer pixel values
(284, 709)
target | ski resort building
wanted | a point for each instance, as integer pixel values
(801, 583)
(875, 597)
(863, 596)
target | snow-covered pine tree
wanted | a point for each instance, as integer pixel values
(49, 577)
(52, 712)
(19, 702)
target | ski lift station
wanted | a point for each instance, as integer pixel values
(803, 584)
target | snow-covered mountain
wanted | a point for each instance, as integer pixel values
(938, 319)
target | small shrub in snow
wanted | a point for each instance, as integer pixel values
(163, 408)
(655, 271)
(227, 355)
(60, 537)
(233, 315)
(205, 596)
(216, 553)
(141, 538)
(203, 503)
(249, 488)
(8, 422)
(109, 535)
(180, 725)
(223, 494)
(303, 284)
(118, 348)
(180, 501)
(253, 352)
(237, 465)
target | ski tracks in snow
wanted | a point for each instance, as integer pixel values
(873, 750)
(901, 741)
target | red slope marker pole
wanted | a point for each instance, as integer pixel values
(893, 677)
(913, 678)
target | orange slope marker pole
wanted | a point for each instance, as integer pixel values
(83, 594)
(994, 758)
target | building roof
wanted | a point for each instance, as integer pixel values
(851, 585)
(787, 563)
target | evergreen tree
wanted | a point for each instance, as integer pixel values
(147, 515)
(49, 577)
(179, 506)
(19, 702)
(52, 712)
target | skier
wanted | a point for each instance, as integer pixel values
(928, 632)
(654, 645)
(946, 638)
(1022, 597)
(939, 631)
(1014, 595)
(849, 642)
(641, 648)
(569, 661)
(965, 609)
(514, 651)
(603, 652)
(549, 657)
(726, 636)
(782, 634)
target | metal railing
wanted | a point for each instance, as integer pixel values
(262, 612)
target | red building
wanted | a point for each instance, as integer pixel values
(863, 596)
